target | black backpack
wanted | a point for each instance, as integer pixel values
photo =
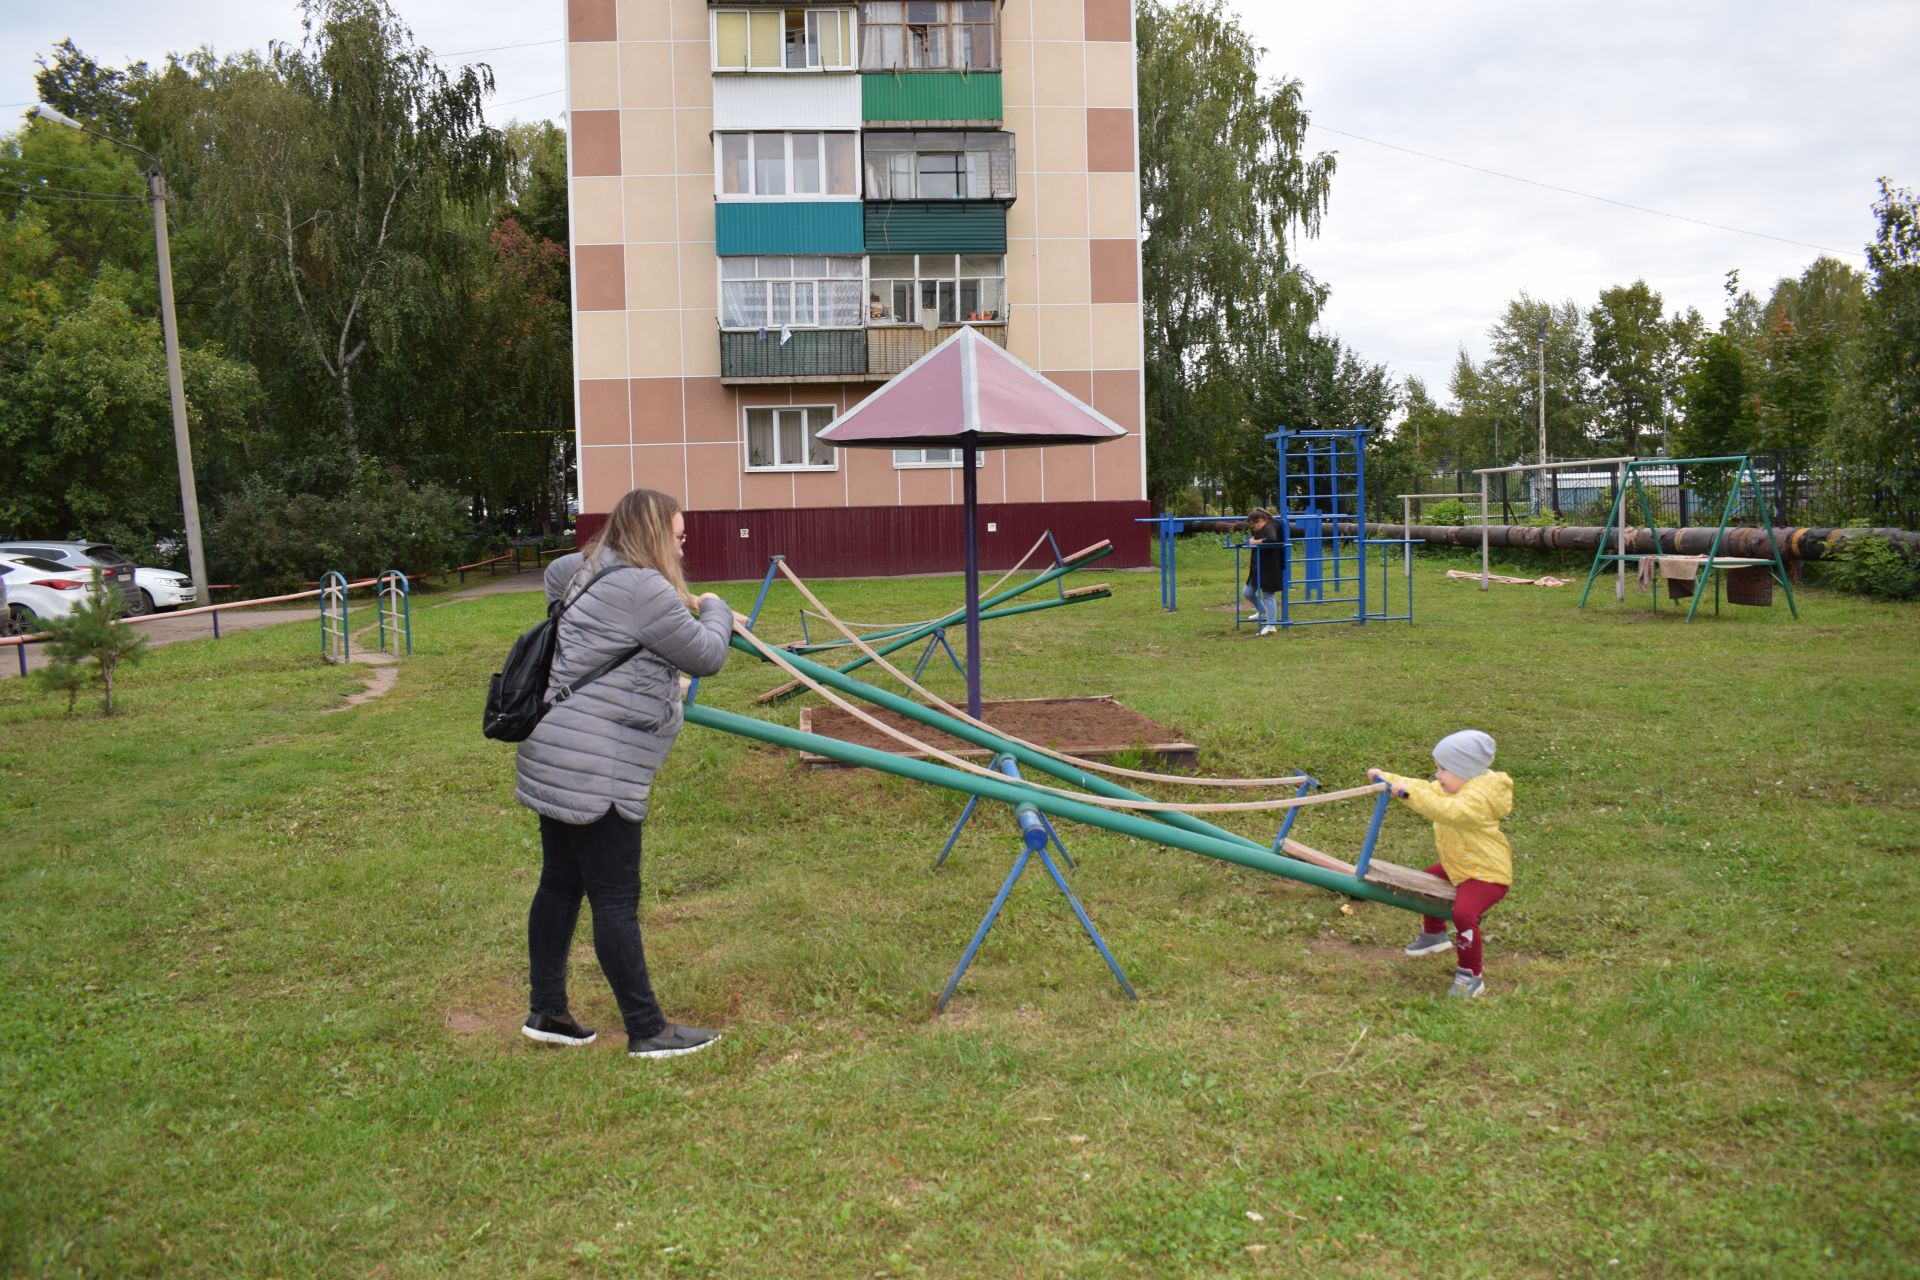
(517, 696)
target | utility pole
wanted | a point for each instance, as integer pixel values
(1543, 389)
(182, 448)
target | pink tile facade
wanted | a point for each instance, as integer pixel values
(651, 406)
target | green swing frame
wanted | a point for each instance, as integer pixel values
(1714, 563)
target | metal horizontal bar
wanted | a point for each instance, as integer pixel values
(1578, 462)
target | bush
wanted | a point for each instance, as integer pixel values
(1872, 566)
(263, 540)
(1450, 511)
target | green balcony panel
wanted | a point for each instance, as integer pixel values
(787, 226)
(945, 97)
(809, 353)
(937, 226)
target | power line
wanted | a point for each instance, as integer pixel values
(54, 193)
(529, 98)
(498, 48)
(1585, 195)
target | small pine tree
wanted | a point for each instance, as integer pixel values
(89, 637)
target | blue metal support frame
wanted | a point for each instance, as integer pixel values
(759, 601)
(392, 595)
(1035, 836)
(1373, 834)
(333, 586)
(938, 640)
(1286, 824)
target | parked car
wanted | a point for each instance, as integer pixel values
(40, 588)
(85, 556)
(161, 589)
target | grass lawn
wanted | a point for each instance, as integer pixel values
(264, 966)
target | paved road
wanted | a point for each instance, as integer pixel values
(170, 630)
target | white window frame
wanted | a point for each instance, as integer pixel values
(949, 25)
(923, 463)
(850, 48)
(815, 418)
(820, 153)
(945, 273)
(767, 282)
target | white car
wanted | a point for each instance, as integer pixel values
(38, 588)
(161, 589)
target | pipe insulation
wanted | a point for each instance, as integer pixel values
(1795, 543)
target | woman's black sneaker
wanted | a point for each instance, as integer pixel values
(555, 1030)
(671, 1042)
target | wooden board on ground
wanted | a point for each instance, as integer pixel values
(1095, 728)
(1409, 881)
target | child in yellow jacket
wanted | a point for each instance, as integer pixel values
(1465, 802)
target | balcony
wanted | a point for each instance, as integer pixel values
(810, 355)
(936, 226)
(743, 227)
(891, 348)
(931, 97)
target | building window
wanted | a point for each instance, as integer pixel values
(928, 35)
(907, 459)
(783, 40)
(790, 292)
(939, 165)
(953, 288)
(804, 166)
(789, 439)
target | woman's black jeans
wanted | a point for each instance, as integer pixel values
(602, 861)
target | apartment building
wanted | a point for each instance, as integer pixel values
(778, 207)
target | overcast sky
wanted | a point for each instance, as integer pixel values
(1763, 116)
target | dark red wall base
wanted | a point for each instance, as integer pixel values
(880, 542)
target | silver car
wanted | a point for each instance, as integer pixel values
(113, 566)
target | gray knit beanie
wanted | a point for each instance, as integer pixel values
(1466, 754)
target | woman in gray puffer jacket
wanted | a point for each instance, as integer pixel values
(588, 766)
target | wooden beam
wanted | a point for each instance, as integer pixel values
(1409, 881)
(1306, 853)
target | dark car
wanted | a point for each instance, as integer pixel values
(113, 566)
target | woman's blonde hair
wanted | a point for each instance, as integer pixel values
(639, 530)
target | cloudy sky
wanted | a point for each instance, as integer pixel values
(1756, 115)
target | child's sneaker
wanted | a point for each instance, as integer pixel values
(561, 1030)
(1466, 983)
(1268, 629)
(670, 1042)
(1428, 943)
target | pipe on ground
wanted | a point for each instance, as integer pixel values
(1795, 543)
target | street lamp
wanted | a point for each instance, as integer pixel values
(182, 449)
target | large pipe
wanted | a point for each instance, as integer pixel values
(1795, 543)
(1014, 794)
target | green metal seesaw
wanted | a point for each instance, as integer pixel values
(1177, 830)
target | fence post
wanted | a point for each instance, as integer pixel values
(1680, 473)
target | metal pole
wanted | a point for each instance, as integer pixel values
(182, 447)
(1543, 392)
(970, 500)
(1620, 582)
(1483, 531)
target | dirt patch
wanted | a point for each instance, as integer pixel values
(381, 677)
(465, 1022)
(1091, 727)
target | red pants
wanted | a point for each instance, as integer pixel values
(1471, 897)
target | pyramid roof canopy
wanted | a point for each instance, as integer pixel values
(970, 384)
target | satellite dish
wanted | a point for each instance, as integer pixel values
(929, 319)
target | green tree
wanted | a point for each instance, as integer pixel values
(332, 170)
(1882, 437)
(100, 97)
(1718, 401)
(1226, 184)
(1630, 355)
(89, 644)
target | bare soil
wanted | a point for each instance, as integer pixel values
(1090, 727)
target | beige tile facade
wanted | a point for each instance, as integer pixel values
(651, 407)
